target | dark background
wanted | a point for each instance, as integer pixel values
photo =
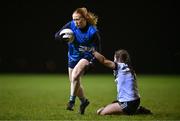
(147, 29)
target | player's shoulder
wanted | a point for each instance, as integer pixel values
(93, 29)
(121, 65)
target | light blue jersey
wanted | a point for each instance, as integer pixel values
(82, 38)
(127, 89)
(87, 37)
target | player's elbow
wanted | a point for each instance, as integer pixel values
(56, 36)
(102, 61)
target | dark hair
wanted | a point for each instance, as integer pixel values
(123, 56)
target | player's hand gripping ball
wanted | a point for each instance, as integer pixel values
(67, 35)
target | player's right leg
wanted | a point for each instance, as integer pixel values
(110, 109)
(72, 98)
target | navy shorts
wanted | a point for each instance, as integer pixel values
(130, 107)
(72, 64)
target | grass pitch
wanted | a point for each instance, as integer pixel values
(44, 97)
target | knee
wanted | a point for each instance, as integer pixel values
(75, 77)
(100, 111)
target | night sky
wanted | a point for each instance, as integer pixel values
(147, 29)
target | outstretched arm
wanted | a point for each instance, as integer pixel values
(108, 63)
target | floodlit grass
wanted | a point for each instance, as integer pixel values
(44, 97)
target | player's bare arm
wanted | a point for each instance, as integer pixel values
(108, 63)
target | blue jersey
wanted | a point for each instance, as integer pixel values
(87, 36)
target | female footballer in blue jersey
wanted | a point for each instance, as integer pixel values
(128, 97)
(86, 34)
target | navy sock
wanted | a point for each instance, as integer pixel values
(82, 99)
(72, 98)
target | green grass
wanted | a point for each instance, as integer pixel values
(44, 97)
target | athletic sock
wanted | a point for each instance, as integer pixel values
(72, 98)
(82, 99)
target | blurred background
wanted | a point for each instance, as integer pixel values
(147, 29)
